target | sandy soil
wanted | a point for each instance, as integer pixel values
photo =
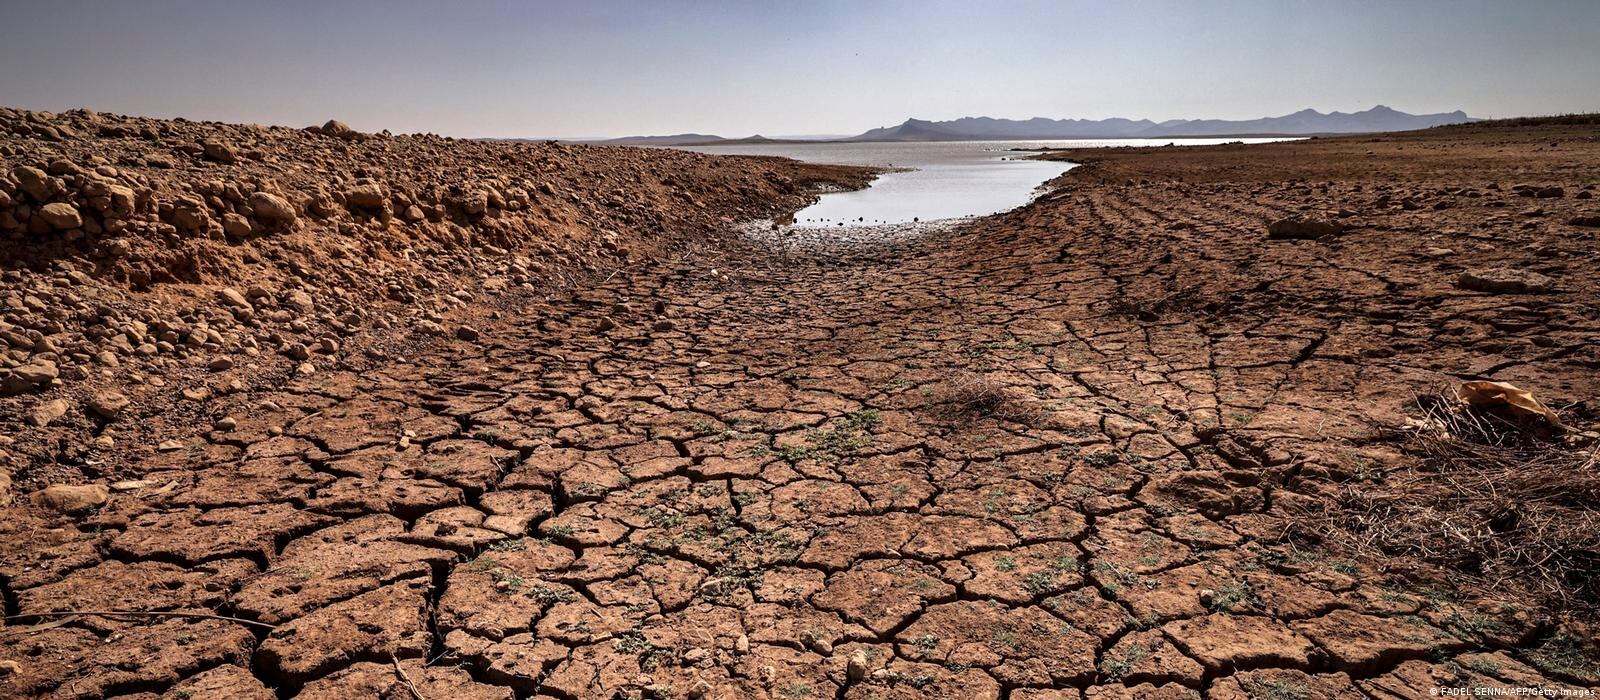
(1062, 452)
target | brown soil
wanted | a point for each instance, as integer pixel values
(1070, 451)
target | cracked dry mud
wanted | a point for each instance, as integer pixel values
(1006, 459)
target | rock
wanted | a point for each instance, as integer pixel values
(856, 667)
(65, 498)
(271, 207)
(467, 333)
(233, 298)
(221, 364)
(225, 424)
(339, 129)
(1302, 228)
(300, 301)
(219, 152)
(1505, 280)
(297, 352)
(367, 196)
(61, 216)
(605, 324)
(108, 405)
(1589, 221)
(663, 325)
(33, 181)
(39, 373)
(47, 412)
(235, 226)
(1550, 193)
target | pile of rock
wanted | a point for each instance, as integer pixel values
(133, 249)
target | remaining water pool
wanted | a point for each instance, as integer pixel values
(941, 180)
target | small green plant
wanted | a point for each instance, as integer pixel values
(851, 433)
(1276, 690)
(1039, 582)
(1117, 667)
(1564, 653)
(1233, 594)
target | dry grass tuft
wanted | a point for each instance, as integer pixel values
(969, 394)
(1491, 496)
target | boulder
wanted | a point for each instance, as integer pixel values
(219, 152)
(33, 181)
(271, 207)
(1302, 228)
(1505, 280)
(339, 129)
(47, 412)
(61, 216)
(64, 498)
(366, 196)
(108, 405)
(233, 298)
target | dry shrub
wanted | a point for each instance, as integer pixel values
(1491, 495)
(968, 394)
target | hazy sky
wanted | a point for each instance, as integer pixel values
(491, 68)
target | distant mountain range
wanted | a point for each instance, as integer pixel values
(690, 140)
(1306, 122)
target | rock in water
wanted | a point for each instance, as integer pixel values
(1302, 228)
(1505, 280)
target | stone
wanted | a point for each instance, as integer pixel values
(467, 333)
(339, 129)
(1302, 228)
(61, 216)
(1505, 280)
(47, 412)
(219, 152)
(108, 405)
(34, 182)
(271, 207)
(235, 226)
(366, 196)
(38, 373)
(233, 298)
(66, 498)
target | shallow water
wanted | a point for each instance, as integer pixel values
(945, 180)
